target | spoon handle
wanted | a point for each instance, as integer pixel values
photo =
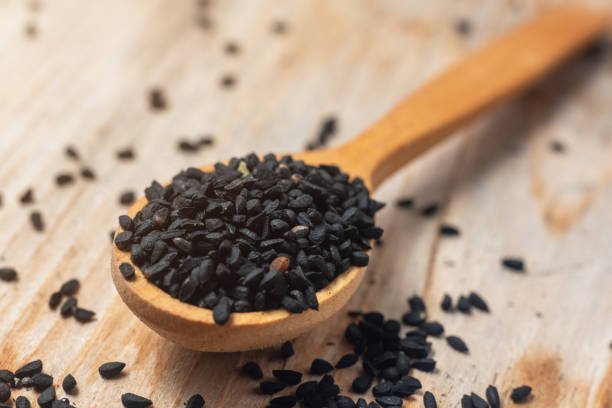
(500, 70)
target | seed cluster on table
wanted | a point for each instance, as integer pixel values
(252, 235)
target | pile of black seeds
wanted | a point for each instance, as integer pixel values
(252, 235)
(327, 130)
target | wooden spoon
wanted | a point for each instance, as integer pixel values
(502, 69)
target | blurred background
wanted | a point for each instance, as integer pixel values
(140, 89)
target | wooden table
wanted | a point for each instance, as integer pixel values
(83, 78)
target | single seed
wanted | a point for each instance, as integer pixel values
(466, 402)
(127, 270)
(447, 303)
(449, 230)
(8, 274)
(464, 305)
(429, 400)
(195, 401)
(5, 392)
(70, 287)
(72, 153)
(228, 81)
(389, 401)
(222, 312)
(130, 400)
(493, 396)
(231, 48)
(416, 304)
(478, 302)
(347, 360)
(320, 366)
(69, 383)
(457, 344)
(68, 307)
(126, 154)
(557, 146)
(514, 264)
(28, 370)
(253, 370)
(430, 210)
(279, 27)
(424, 364)
(83, 315)
(361, 384)
(432, 328)
(22, 402)
(63, 179)
(478, 402)
(27, 197)
(271, 387)
(37, 221)
(289, 377)
(463, 27)
(111, 369)
(157, 100)
(46, 397)
(287, 350)
(520, 393)
(405, 203)
(127, 198)
(41, 381)
(6, 376)
(87, 173)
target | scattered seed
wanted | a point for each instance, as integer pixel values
(478, 402)
(6, 376)
(41, 381)
(429, 400)
(430, 210)
(68, 307)
(27, 197)
(46, 397)
(228, 81)
(466, 402)
(389, 401)
(347, 360)
(328, 128)
(557, 146)
(231, 48)
(424, 364)
(515, 264)
(87, 173)
(464, 305)
(279, 27)
(493, 396)
(127, 198)
(457, 344)
(127, 270)
(130, 400)
(416, 304)
(111, 369)
(126, 154)
(70, 287)
(69, 383)
(405, 203)
(8, 274)
(449, 230)
(287, 350)
(463, 27)
(320, 366)
(157, 100)
(520, 393)
(432, 328)
(447, 303)
(28, 370)
(63, 179)
(72, 153)
(271, 387)
(253, 370)
(22, 402)
(195, 401)
(37, 221)
(361, 384)
(83, 315)
(289, 377)
(478, 302)
(55, 300)
(31, 30)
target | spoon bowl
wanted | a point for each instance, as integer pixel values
(419, 122)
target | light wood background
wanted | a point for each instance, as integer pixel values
(83, 80)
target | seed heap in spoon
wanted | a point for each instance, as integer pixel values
(252, 235)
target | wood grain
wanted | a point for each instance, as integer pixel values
(84, 78)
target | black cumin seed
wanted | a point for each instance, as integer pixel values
(289, 377)
(206, 140)
(430, 210)
(347, 360)
(228, 81)
(127, 270)
(41, 381)
(231, 48)
(389, 401)
(478, 402)
(5, 392)
(432, 328)
(28, 370)
(285, 401)
(69, 383)
(464, 305)
(478, 302)
(195, 401)
(54, 300)
(157, 99)
(493, 396)
(111, 369)
(447, 303)
(253, 370)
(87, 173)
(63, 179)
(457, 344)
(271, 387)
(127, 198)
(449, 230)
(72, 153)
(424, 364)
(83, 315)
(8, 274)
(557, 146)
(46, 397)
(429, 400)
(6, 376)
(37, 221)
(414, 318)
(126, 154)
(405, 203)
(361, 384)
(416, 303)
(68, 307)
(384, 388)
(187, 146)
(222, 312)
(287, 350)
(515, 264)
(320, 366)
(466, 402)
(279, 27)
(520, 393)
(130, 400)
(27, 197)
(70, 287)
(22, 402)
(463, 27)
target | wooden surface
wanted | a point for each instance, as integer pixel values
(83, 80)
